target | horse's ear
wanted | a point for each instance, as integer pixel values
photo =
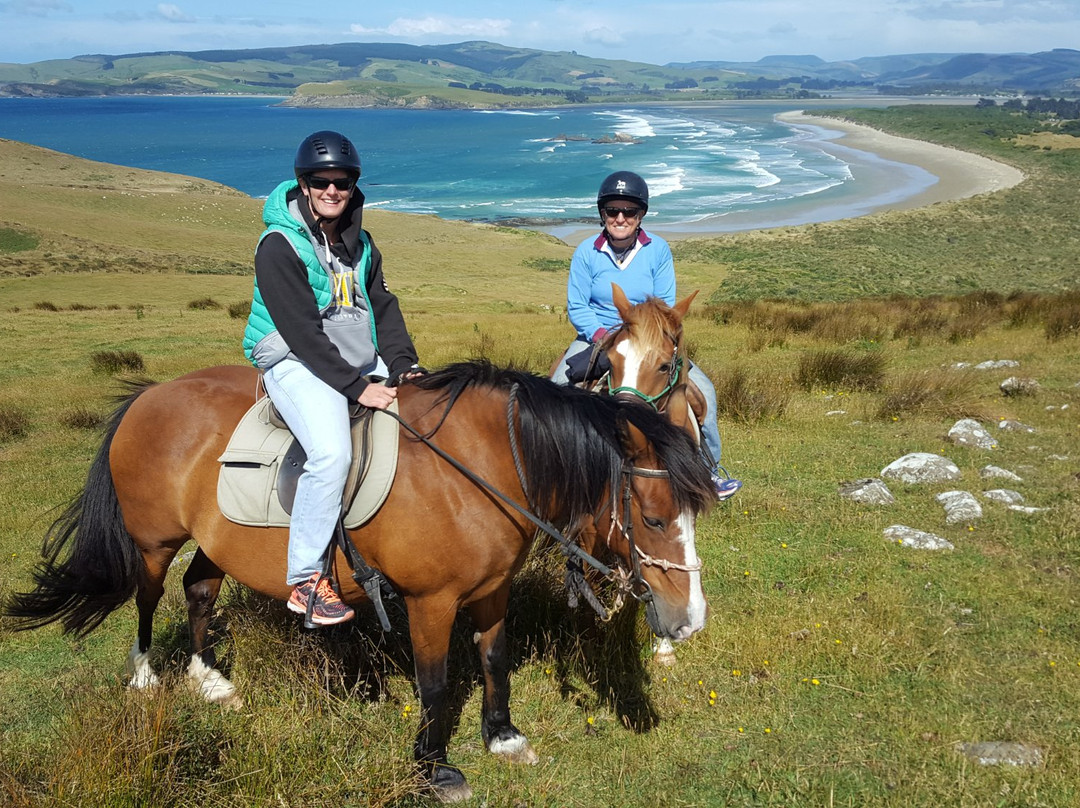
(634, 442)
(622, 303)
(683, 305)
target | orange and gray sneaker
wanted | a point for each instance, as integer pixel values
(328, 609)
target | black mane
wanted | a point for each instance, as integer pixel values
(572, 441)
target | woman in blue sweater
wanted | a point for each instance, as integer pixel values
(642, 266)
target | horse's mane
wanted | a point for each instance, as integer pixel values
(573, 441)
(653, 323)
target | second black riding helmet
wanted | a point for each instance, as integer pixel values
(324, 150)
(623, 185)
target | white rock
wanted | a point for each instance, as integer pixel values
(969, 432)
(1004, 495)
(987, 472)
(867, 491)
(961, 507)
(921, 467)
(916, 539)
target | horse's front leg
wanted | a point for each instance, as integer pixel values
(430, 623)
(500, 736)
(202, 583)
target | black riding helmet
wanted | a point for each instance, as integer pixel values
(323, 150)
(623, 185)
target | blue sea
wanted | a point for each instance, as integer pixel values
(535, 166)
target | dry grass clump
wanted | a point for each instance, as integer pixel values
(13, 424)
(851, 322)
(239, 310)
(117, 362)
(933, 393)
(840, 369)
(204, 304)
(1063, 319)
(46, 305)
(82, 418)
(749, 399)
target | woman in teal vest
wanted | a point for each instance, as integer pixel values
(322, 316)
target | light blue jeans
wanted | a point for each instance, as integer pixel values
(318, 416)
(709, 429)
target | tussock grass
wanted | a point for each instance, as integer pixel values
(239, 310)
(935, 393)
(204, 303)
(840, 369)
(117, 362)
(748, 398)
(82, 418)
(14, 423)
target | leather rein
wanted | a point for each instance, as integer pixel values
(633, 582)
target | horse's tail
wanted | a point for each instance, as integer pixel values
(102, 569)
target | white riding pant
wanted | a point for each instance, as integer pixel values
(318, 416)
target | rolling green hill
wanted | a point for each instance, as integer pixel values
(485, 74)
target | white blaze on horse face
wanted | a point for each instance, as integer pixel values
(696, 608)
(633, 359)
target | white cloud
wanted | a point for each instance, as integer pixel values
(35, 8)
(423, 27)
(603, 36)
(173, 13)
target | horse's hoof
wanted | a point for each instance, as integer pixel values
(664, 653)
(448, 784)
(213, 686)
(514, 749)
(140, 674)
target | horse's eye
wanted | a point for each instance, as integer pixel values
(665, 368)
(653, 523)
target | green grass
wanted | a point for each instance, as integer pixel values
(836, 668)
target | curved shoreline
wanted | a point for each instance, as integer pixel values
(890, 173)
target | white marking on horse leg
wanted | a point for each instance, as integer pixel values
(515, 750)
(212, 685)
(139, 672)
(663, 652)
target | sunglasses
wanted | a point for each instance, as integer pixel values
(629, 213)
(322, 183)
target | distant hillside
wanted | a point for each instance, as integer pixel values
(483, 74)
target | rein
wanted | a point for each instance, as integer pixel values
(574, 554)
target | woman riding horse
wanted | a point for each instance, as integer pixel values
(642, 266)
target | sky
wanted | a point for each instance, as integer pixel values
(650, 31)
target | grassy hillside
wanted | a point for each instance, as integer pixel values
(838, 668)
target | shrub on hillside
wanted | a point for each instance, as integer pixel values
(745, 398)
(240, 309)
(13, 424)
(937, 393)
(117, 361)
(842, 369)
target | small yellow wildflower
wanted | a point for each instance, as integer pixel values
(767, 730)
(740, 729)
(590, 721)
(815, 682)
(838, 642)
(746, 573)
(712, 695)
(783, 544)
(736, 672)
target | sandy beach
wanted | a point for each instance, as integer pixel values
(888, 173)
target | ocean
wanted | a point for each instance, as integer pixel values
(533, 167)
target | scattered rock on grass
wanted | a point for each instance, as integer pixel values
(988, 472)
(969, 432)
(916, 539)
(867, 491)
(998, 753)
(921, 467)
(1010, 425)
(961, 507)
(1005, 496)
(1016, 386)
(994, 364)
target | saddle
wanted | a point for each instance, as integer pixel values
(263, 461)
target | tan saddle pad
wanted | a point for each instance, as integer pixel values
(254, 468)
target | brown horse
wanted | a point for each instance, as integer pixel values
(623, 482)
(648, 361)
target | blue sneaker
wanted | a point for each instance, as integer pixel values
(725, 486)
